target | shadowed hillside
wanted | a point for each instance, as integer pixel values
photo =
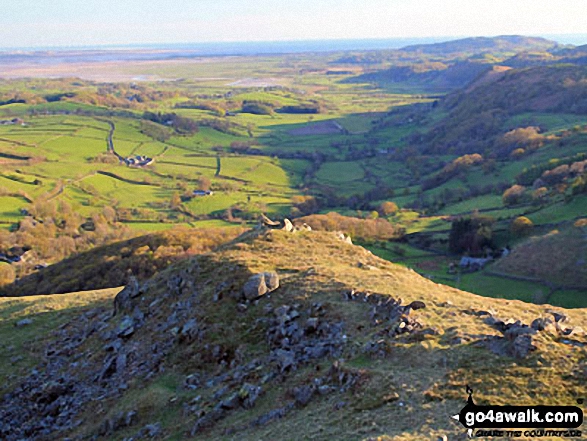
(288, 336)
(112, 265)
(477, 114)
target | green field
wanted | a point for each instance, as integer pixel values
(361, 149)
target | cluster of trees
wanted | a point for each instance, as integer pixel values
(304, 205)
(312, 107)
(449, 171)
(477, 116)
(112, 265)
(472, 235)
(367, 230)
(514, 195)
(529, 175)
(388, 208)
(54, 232)
(133, 96)
(519, 142)
(181, 124)
(521, 226)
(258, 107)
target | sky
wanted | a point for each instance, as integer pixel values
(43, 23)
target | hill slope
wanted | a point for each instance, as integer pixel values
(432, 76)
(338, 351)
(477, 114)
(112, 265)
(476, 45)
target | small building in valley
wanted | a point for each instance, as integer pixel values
(202, 193)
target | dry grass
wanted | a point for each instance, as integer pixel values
(408, 395)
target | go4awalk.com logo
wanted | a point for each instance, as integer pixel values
(520, 421)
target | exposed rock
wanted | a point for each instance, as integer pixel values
(311, 325)
(417, 304)
(264, 220)
(248, 395)
(559, 317)
(117, 422)
(126, 327)
(271, 281)
(150, 431)
(272, 415)
(541, 324)
(255, 287)
(23, 322)
(517, 338)
(208, 419)
(189, 331)
(303, 395)
(192, 381)
(285, 359)
(344, 237)
(231, 402)
(522, 346)
(287, 225)
(260, 284)
(305, 227)
(123, 300)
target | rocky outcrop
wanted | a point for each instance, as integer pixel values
(123, 302)
(260, 284)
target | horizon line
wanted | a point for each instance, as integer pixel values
(152, 45)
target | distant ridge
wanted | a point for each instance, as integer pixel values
(504, 43)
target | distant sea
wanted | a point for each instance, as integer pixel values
(146, 52)
(51, 55)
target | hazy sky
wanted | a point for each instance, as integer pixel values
(26, 23)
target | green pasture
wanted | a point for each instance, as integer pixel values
(561, 212)
(485, 202)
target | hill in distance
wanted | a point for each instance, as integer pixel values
(452, 65)
(476, 45)
(344, 345)
(479, 111)
(429, 76)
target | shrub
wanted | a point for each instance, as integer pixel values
(471, 235)
(388, 208)
(362, 229)
(521, 226)
(513, 195)
(7, 274)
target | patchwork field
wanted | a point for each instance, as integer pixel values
(262, 133)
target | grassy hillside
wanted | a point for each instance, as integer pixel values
(438, 76)
(559, 256)
(195, 361)
(475, 116)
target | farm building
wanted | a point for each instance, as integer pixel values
(138, 161)
(202, 193)
(473, 263)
